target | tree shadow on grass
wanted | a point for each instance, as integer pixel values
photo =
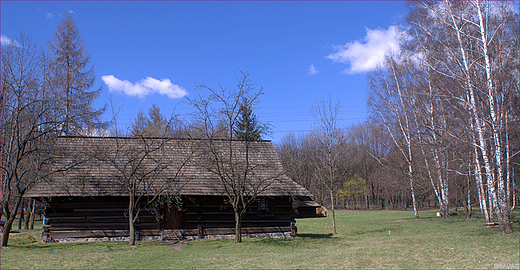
(317, 238)
(299, 239)
(314, 235)
(35, 245)
(40, 246)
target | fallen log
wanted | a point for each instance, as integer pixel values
(492, 225)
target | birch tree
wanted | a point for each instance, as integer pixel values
(389, 102)
(475, 42)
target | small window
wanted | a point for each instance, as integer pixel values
(265, 208)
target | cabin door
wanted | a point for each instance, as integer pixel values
(173, 218)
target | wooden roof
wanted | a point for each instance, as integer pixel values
(103, 166)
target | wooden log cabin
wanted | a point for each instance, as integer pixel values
(180, 195)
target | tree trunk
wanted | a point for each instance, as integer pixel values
(483, 202)
(468, 203)
(28, 213)
(238, 226)
(514, 199)
(9, 222)
(7, 230)
(494, 177)
(333, 212)
(33, 212)
(20, 218)
(491, 208)
(508, 166)
(131, 221)
(502, 209)
(415, 213)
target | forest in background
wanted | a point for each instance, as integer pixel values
(444, 120)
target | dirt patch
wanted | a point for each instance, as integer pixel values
(177, 245)
(400, 220)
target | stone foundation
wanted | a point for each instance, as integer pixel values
(102, 239)
(244, 235)
(183, 235)
(159, 238)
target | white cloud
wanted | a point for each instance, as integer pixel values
(5, 41)
(48, 15)
(312, 70)
(144, 87)
(70, 11)
(365, 56)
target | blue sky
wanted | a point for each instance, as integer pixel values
(156, 52)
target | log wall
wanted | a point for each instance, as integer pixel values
(213, 212)
(98, 217)
(94, 217)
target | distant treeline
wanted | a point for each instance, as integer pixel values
(444, 119)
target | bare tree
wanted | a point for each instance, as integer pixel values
(156, 125)
(148, 170)
(72, 78)
(329, 140)
(27, 126)
(296, 156)
(299, 153)
(231, 160)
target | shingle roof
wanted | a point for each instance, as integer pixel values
(97, 166)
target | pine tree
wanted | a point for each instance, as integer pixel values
(247, 128)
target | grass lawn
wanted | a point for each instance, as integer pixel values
(365, 239)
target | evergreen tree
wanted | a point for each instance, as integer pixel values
(247, 128)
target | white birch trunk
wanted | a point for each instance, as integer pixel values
(481, 190)
(406, 131)
(403, 129)
(501, 208)
(491, 208)
(473, 109)
(508, 167)
(436, 186)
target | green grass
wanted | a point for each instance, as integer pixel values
(365, 239)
